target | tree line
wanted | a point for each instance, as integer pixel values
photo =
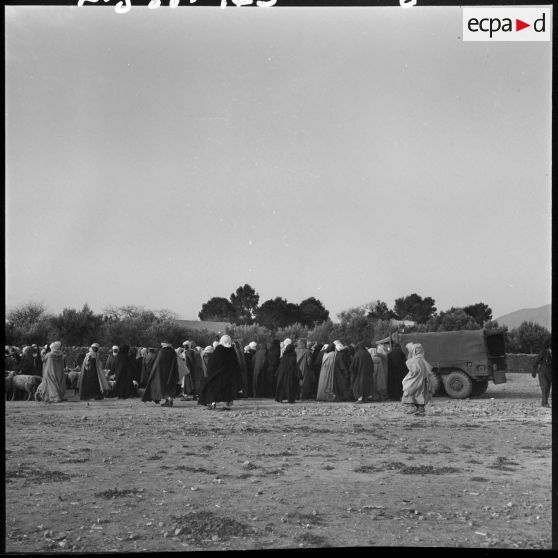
(250, 321)
(243, 308)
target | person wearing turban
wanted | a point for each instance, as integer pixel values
(53, 387)
(92, 382)
(223, 376)
(288, 376)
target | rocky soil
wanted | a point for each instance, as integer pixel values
(124, 476)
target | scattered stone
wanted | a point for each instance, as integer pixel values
(59, 537)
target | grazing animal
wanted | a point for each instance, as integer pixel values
(26, 383)
(112, 388)
(72, 380)
(9, 386)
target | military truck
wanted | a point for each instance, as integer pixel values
(463, 361)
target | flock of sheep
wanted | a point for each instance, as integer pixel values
(24, 386)
(21, 383)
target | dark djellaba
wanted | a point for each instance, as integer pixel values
(223, 376)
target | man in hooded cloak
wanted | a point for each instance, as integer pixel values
(288, 376)
(362, 372)
(163, 379)
(92, 383)
(341, 374)
(124, 371)
(418, 384)
(223, 376)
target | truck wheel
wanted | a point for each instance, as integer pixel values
(458, 385)
(479, 387)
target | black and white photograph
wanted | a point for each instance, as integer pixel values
(278, 276)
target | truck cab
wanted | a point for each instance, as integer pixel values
(463, 361)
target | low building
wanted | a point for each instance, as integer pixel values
(219, 328)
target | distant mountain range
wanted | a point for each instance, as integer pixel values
(539, 316)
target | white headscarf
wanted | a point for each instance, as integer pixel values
(409, 346)
(416, 359)
(226, 341)
(382, 349)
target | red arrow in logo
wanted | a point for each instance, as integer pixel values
(519, 25)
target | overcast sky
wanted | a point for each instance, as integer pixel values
(163, 157)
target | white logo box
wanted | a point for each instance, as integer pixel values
(507, 23)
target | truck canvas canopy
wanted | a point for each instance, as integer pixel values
(447, 345)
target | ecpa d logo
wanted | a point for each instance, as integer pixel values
(507, 24)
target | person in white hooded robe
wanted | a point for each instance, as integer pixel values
(418, 384)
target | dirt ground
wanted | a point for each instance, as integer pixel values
(127, 476)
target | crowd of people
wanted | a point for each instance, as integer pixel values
(225, 371)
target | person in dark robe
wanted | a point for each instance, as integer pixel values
(92, 383)
(397, 370)
(9, 360)
(288, 376)
(141, 353)
(262, 380)
(362, 373)
(163, 378)
(543, 367)
(341, 374)
(13, 361)
(124, 373)
(81, 357)
(273, 358)
(195, 366)
(110, 364)
(31, 362)
(249, 352)
(308, 384)
(147, 366)
(223, 376)
(38, 361)
(242, 365)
